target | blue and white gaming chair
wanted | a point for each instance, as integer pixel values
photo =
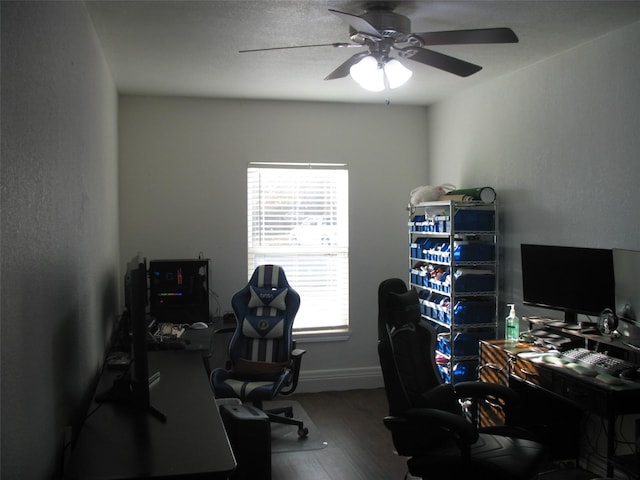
(263, 360)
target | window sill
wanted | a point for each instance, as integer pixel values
(310, 336)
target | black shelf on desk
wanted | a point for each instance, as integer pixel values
(589, 338)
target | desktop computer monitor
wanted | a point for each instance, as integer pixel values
(136, 296)
(574, 280)
(627, 272)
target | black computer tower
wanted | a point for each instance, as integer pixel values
(249, 433)
(179, 290)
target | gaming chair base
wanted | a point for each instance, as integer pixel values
(284, 415)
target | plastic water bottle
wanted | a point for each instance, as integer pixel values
(512, 325)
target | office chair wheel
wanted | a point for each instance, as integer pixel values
(303, 432)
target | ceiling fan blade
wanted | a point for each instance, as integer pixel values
(343, 70)
(440, 61)
(337, 45)
(358, 23)
(465, 37)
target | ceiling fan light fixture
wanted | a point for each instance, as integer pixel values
(397, 74)
(368, 74)
(375, 76)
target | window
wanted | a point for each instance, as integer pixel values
(298, 218)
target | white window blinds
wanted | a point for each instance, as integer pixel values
(298, 218)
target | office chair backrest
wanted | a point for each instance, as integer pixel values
(265, 310)
(407, 359)
(392, 285)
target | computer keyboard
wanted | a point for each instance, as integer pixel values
(598, 361)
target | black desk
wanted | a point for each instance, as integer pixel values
(503, 362)
(118, 442)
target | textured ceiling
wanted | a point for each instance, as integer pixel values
(191, 47)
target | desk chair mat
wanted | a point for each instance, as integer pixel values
(284, 438)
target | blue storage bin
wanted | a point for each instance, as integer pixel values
(431, 303)
(442, 309)
(424, 296)
(444, 373)
(439, 252)
(429, 225)
(440, 285)
(474, 220)
(417, 247)
(420, 246)
(428, 304)
(415, 224)
(444, 254)
(475, 282)
(464, 343)
(443, 342)
(467, 343)
(465, 371)
(432, 251)
(442, 223)
(419, 277)
(469, 312)
(474, 252)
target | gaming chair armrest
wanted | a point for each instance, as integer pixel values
(426, 418)
(206, 357)
(296, 361)
(224, 330)
(498, 395)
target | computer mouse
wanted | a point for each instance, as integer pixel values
(199, 325)
(630, 374)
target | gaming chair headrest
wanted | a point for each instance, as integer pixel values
(269, 276)
(404, 308)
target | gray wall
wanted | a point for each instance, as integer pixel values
(559, 141)
(60, 254)
(183, 191)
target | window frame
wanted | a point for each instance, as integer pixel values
(266, 242)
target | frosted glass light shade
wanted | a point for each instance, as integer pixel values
(396, 73)
(368, 74)
(373, 77)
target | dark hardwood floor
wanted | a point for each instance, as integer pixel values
(359, 446)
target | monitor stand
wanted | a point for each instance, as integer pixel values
(571, 318)
(123, 391)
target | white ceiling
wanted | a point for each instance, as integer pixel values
(191, 47)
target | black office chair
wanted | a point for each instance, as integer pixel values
(425, 415)
(263, 361)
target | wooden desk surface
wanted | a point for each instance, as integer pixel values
(118, 442)
(588, 392)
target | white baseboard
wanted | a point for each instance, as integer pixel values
(339, 379)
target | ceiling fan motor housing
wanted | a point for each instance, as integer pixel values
(389, 24)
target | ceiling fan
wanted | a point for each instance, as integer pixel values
(382, 31)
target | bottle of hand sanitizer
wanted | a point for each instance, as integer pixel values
(512, 324)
